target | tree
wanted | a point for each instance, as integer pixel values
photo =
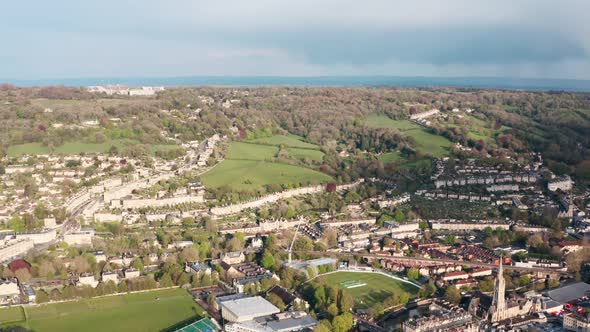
(122, 287)
(80, 265)
(211, 301)
(268, 260)
(452, 294)
(23, 275)
(332, 310)
(276, 301)
(450, 240)
(46, 269)
(345, 301)
(189, 254)
(427, 289)
(413, 273)
(195, 280)
(166, 280)
(183, 279)
(319, 297)
(323, 327)
(342, 323)
(41, 296)
(211, 225)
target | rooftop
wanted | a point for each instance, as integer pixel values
(250, 307)
(569, 292)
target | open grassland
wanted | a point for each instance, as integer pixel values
(382, 121)
(250, 165)
(427, 143)
(288, 140)
(252, 174)
(72, 148)
(240, 150)
(86, 105)
(390, 157)
(376, 289)
(298, 153)
(149, 311)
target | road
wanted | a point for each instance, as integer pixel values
(431, 260)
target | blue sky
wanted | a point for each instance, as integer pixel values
(107, 38)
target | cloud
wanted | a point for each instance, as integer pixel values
(523, 38)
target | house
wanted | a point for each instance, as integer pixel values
(289, 298)
(9, 287)
(256, 243)
(153, 257)
(480, 272)
(449, 276)
(87, 279)
(234, 257)
(196, 267)
(110, 276)
(131, 273)
(180, 244)
(82, 237)
(99, 256)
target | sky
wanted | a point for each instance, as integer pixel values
(56, 39)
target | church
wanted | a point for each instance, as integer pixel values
(497, 308)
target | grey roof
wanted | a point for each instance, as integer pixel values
(292, 323)
(250, 307)
(569, 292)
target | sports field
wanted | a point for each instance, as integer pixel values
(251, 174)
(427, 143)
(368, 288)
(150, 311)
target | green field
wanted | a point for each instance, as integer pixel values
(254, 164)
(250, 174)
(71, 148)
(239, 150)
(378, 287)
(289, 140)
(382, 121)
(86, 104)
(390, 157)
(427, 143)
(298, 153)
(130, 312)
(11, 315)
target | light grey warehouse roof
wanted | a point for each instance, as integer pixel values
(293, 324)
(250, 307)
(569, 292)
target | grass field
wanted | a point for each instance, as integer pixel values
(390, 157)
(86, 104)
(71, 148)
(376, 289)
(239, 150)
(130, 312)
(289, 140)
(431, 144)
(11, 315)
(298, 153)
(253, 164)
(250, 174)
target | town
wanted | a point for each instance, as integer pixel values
(188, 199)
